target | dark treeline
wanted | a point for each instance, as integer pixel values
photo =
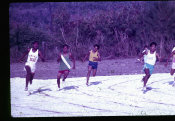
(120, 28)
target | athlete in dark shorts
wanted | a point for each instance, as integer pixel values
(94, 57)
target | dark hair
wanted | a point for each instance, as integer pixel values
(96, 45)
(153, 43)
(65, 45)
(35, 42)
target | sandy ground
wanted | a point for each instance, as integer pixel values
(115, 91)
(119, 95)
(49, 69)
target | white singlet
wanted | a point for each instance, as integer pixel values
(32, 59)
(151, 58)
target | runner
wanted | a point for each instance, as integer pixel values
(94, 57)
(30, 65)
(152, 55)
(173, 64)
(64, 68)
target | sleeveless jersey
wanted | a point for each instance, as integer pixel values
(63, 66)
(151, 58)
(92, 55)
(32, 56)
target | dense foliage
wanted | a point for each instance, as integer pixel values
(121, 28)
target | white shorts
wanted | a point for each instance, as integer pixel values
(173, 66)
(31, 65)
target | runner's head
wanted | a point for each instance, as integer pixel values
(65, 48)
(35, 44)
(153, 46)
(96, 47)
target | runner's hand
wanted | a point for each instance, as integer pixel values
(95, 59)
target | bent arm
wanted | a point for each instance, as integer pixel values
(59, 57)
(25, 53)
(86, 56)
(99, 57)
(169, 58)
(158, 56)
(142, 54)
(73, 60)
(41, 56)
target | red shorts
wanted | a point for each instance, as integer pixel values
(62, 71)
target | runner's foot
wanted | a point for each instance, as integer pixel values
(87, 84)
(26, 88)
(144, 88)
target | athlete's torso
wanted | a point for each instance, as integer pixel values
(32, 56)
(62, 64)
(92, 55)
(151, 58)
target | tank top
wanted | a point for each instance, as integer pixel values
(32, 56)
(63, 66)
(151, 58)
(92, 55)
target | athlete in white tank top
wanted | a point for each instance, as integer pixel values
(33, 54)
(151, 58)
(32, 59)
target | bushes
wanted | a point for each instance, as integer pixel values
(121, 28)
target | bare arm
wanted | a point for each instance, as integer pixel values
(41, 56)
(158, 56)
(59, 57)
(86, 56)
(25, 53)
(169, 58)
(73, 60)
(142, 54)
(99, 58)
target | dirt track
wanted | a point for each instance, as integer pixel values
(49, 69)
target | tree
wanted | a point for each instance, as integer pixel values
(160, 20)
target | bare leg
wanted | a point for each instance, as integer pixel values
(31, 78)
(58, 79)
(172, 72)
(94, 72)
(66, 73)
(28, 76)
(146, 77)
(88, 74)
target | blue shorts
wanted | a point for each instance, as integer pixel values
(148, 66)
(93, 64)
